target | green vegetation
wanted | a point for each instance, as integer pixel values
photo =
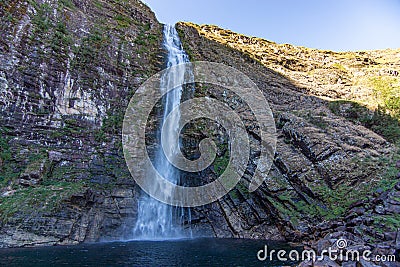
(60, 173)
(89, 49)
(116, 167)
(7, 9)
(146, 39)
(11, 166)
(220, 163)
(185, 45)
(50, 32)
(340, 198)
(8, 171)
(5, 153)
(317, 120)
(43, 198)
(378, 121)
(243, 189)
(122, 21)
(239, 190)
(295, 208)
(52, 39)
(67, 3)
(42, 19)
(387, 92)
(72, 126)
(337, 201)
(61, 39)
(385, 119)
(339, 67)
(234, 194)
(56, 134)
(113, 122)
(390, 221)
(287, 211)
(100, 136)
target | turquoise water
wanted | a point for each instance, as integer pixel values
(193, 252)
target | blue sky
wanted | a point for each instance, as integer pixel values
(338, 25)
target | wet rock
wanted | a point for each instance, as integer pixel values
(20, 238)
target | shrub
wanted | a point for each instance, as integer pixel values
(378, 121)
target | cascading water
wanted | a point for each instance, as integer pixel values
(157, 220)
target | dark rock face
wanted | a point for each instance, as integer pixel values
(87, 217)
(67, 72)
(323, 165)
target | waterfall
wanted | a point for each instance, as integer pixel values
(157, 220)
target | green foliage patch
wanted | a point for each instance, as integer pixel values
(43, 198)
(378, 121)
(387, 92)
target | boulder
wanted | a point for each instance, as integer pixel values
(365, 263)
(325, 262)
(55, 156)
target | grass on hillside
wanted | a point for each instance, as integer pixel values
(379, 121)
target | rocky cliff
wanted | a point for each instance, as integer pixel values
(67, 72)
(337, 117)
(68, 69)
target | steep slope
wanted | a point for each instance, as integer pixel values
(67, 71)
(344, 75)
(326, 163)
(367, 78)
